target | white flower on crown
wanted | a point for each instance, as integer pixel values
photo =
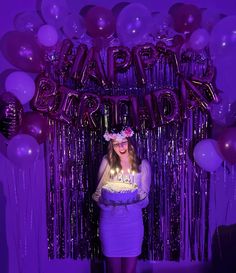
(127, 132)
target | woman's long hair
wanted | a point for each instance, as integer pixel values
(114, 160)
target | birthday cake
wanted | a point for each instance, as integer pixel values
(119, 192)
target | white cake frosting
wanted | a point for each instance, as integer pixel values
(119, 192)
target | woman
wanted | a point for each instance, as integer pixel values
(121, 227)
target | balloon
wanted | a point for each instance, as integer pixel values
(199, 39)
(118, 8)
(93, 68)
(216, 130)
(65, 52)
(161, 24)
(133, 23)
(187, 18)
(23, 150)
(36, 125)
(45, 95)
(54, 12)
(231, 115)
(207, 156)
(174, 9)
(194, 88)
(227, 144)
(225, 79)
(89, 104)
(114, 54)
(169, 112)
(100, 22)
(27, 21)
(84, 10)
(22, 50)
(62, 111)
(78, 63)
(116, 104)
(223, 39)
(177, 42)
(11, 112)
(21, 85)
(210, 18)
(73, 26)
(219, 111)
(144, 57)
(144, 114)
(47, 35)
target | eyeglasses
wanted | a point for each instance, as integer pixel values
(116, 145)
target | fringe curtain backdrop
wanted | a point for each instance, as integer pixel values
(176, 220)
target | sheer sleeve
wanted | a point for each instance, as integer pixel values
(102, 170)
(145, 184)
(103, 175)
(145, 176)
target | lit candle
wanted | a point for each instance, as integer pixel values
(133, 176)
(122, 172)
(129, 176)
(112, 173)
(117, 170)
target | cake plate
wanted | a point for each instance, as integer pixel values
(140, 197)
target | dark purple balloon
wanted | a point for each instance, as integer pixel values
(23, 150)
(85, 10)
(174, 8)
(227, 144)
(100, 22)
(187, 18)
(22, 50)
(118, 8)
(36, 125)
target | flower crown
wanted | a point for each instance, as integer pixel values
(126, 132)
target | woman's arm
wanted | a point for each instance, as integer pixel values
(145, 176)
(145, 184)
(103, 175)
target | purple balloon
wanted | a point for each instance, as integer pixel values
(207, 156)
(54, 12)
(225, 79)
(187, 19)
(22, 50)
(210, 18)
(23, 150)
(100, 22)
(173, 10)
(73, 26)
(223, 39)
(162, 24)
(227, 144)
(36, 125)
(231, 115)
(133, 23)
(199, 39)
(47, 35)
(84, 10)
(27, 21)
(21, 85)
(219, 111)
(118, 8)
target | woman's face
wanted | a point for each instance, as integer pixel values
(120, 147)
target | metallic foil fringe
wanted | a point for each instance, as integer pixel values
(176, 220)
